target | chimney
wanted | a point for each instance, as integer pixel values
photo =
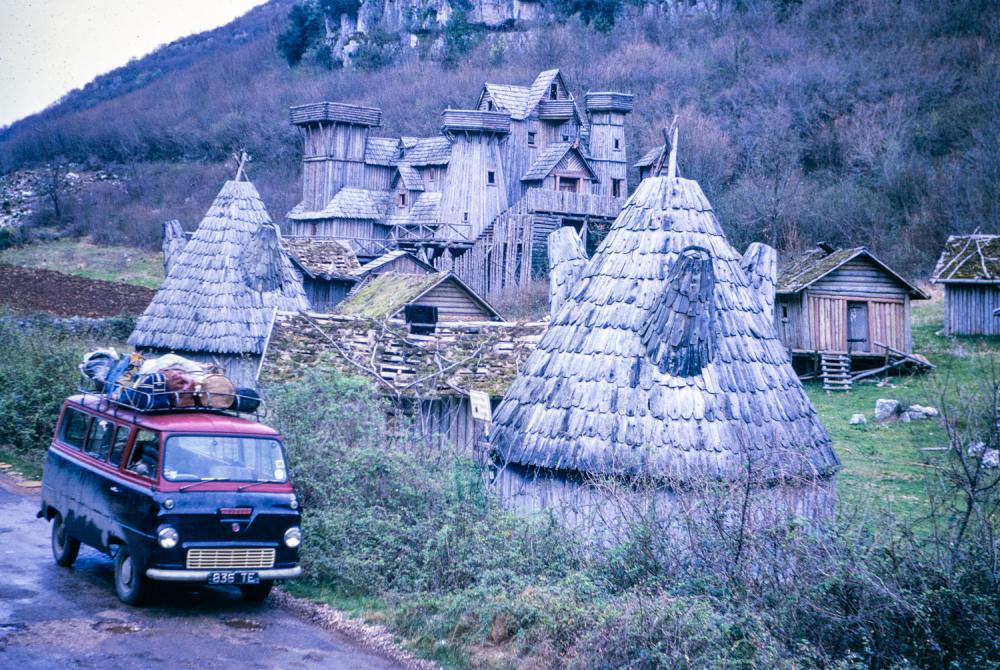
(567, 257)
(174, 241)
(760, 263)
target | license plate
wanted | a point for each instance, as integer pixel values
(233, 578)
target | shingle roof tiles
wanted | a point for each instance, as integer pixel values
(591, 399)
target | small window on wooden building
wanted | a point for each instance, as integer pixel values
(618, 144)
(531, 139)
(616, 188)
(569, 184)
(401, 200)
(489, 105)
(491, 178)
(784, 312)
(565, 138)
(432, 174)
(465, 217)
(421, 319)
(554, 91)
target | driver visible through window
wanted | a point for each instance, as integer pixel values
(225, 457)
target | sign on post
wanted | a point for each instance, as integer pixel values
(481, 408)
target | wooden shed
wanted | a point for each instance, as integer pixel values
(844, 301)
(406, 367)
(969, 270)
(327, 268)
(420, 299)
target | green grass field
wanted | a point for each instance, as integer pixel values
(80, 257)
(886, 464)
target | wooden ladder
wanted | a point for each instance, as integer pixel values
(835, 371)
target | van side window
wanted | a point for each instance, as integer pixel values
(99, 438)
(118, 448)
(145, 454)
(74, 428)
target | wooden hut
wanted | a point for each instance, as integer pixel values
(662, 364)
(407, 367)
(421, 299)
(969, 270)
(843, 307)
(217, 301)
(327, 267)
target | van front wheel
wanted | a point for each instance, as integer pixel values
(256, 593)
(130, 584)
(64, 548)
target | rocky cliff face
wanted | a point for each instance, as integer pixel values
(419, 25)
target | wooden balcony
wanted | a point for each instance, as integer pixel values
(566, 202)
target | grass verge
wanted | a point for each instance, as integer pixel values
(83, 258)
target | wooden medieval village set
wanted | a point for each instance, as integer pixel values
(667, 353)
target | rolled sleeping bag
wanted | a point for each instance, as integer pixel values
(247, 401)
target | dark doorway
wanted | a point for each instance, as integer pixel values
(857, 327)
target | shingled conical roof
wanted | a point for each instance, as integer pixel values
(221, 290)
(661, 361)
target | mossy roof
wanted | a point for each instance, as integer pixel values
(386, 294)
(330, 259)
(969, 258)
(817, 263)
(455, 359)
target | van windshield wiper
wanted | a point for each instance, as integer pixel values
(201, 481)
(264, 481)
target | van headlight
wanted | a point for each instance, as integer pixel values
(167, 537)
(293, 537)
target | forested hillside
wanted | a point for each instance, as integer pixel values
(864, 123)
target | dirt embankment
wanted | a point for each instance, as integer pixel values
(28, 290)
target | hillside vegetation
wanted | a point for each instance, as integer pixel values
(859, 123)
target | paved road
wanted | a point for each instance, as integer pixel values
(52, 617)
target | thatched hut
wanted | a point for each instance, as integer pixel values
(662, 364)
(220, 296)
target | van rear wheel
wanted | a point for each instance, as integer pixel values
(64, 548)
(130, 583)
(256, 593)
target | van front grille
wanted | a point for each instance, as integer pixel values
(230, 559)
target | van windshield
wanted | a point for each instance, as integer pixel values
(192, 458)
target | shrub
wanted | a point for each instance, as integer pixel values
(37, 371)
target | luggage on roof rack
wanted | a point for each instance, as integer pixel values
(166, 383)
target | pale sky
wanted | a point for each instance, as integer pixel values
(49, 47)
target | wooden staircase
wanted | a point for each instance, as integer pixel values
(835, 369)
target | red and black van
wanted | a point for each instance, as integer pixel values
(183, 496)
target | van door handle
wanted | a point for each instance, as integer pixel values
(114, 489)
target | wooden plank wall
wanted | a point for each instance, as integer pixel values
(465, 189)
(608, 162)
(454, 304)
(789, 321)
(446, 422)
(888, 323)
(334, 157)
(859, 277)
(323, 294)
(495, 261)
(341, 229)
(968, 309)
(827, 323)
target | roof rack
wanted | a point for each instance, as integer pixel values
(165, 402)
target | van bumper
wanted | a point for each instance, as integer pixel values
(202, 575)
